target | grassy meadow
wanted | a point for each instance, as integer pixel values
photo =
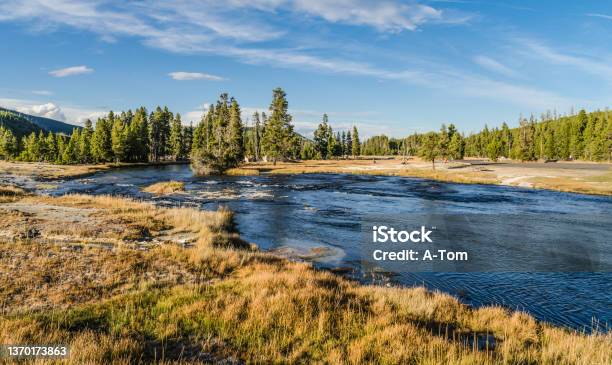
(122, 281)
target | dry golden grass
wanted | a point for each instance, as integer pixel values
(387, 167)
(48, 171)
(596, 185)
(216, 299)
(9, 193)
(11, 190)
(239, 171)
(165, 188)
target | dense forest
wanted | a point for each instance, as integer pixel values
(221, 140)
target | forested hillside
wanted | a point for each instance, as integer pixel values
(18, 125)
(47, 124)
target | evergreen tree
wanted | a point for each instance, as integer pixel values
(30, 148)
(84, 146)
(235, 133)
(348, 146)
(8, 144)
(220, 143)
(177, 146)
(256, 135)
(52, 148)
(101, 144)
(278, 127)
(494, 149)
(158, 133)
(119, 140)
(331, 142)
(187, 139)
(308, 151)
(456, 147)
(139, 136)
(443, 140)
(70, 153)
(356, 147)
(321, 138)
(430, 148)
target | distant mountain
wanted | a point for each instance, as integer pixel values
(17, 124)
(47, 124)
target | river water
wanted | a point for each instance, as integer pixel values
(302, 212)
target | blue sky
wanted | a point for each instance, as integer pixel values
(386, 66)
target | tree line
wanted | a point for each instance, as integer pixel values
(221, 140)
(125, 137)
(581, 136)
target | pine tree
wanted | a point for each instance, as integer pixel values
(8, 143)
(443, 140)
(256, 135)
(84, 146)
(494, 149)
(176, 139)
(338, 145)
(349, 144)
(235, 134)
(139, 136)
(157, 134)
(52, 148)
(277, 128)
(70, 153)
(331, 142)
(101, 144)
(430, 148)
(356, 147)
(456, 147)
(321, 138)
(187, 139)
(119, 140)
(308, 151)
(218, 140)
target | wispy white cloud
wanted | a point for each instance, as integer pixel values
(42, 92)
(69, 114)
(186, 76)
(597, 15)
(207, 27)
(385, 16)
(71, 71)
(495, 66)
(600, 68)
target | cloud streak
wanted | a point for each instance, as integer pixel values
(71, 71)
(187, 76)
(495, 66)
(597, 15)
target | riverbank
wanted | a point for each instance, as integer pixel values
(576, 177)
(43, 171)
(125, 281)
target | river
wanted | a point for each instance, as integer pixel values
(301, 212)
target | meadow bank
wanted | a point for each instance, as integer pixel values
(122, 281)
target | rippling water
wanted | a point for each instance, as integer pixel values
(307, 211)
